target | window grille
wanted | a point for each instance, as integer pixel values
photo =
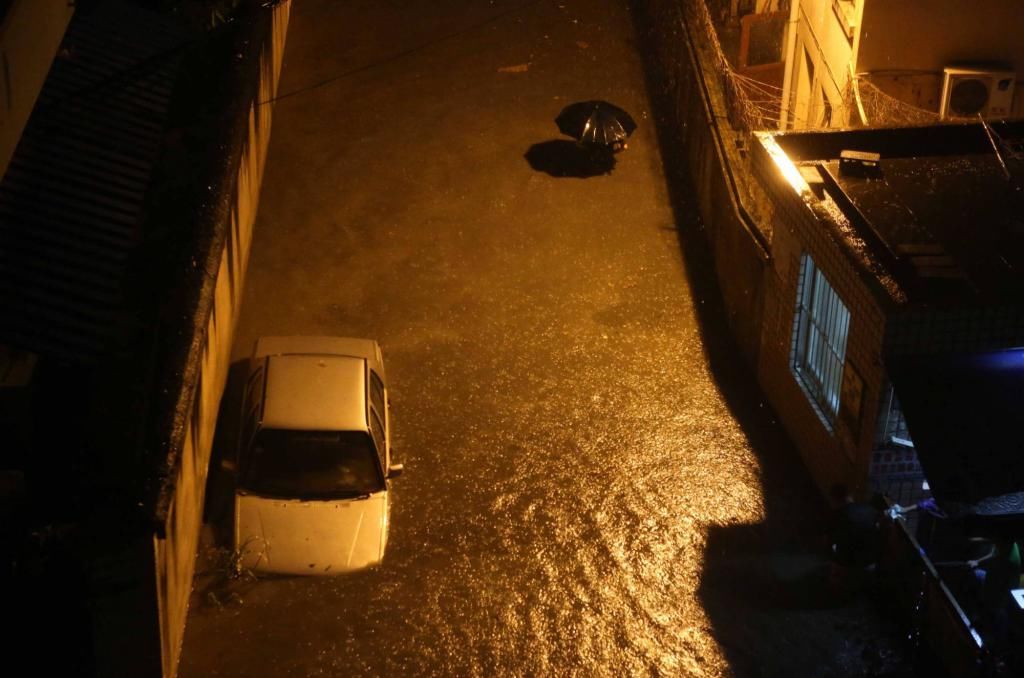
(819, 342)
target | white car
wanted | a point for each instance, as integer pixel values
(314, 457)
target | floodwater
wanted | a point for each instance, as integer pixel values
(564, 462)
(577, 467)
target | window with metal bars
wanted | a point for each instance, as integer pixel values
(821, 326)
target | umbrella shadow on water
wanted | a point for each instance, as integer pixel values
(561, 158)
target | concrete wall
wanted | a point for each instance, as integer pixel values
(906, 62)
(175, 550)
(29, 37)
(905, 45)
(698, 111)
(926, 35)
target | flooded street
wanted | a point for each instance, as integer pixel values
(576, 472)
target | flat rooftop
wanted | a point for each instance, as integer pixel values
(942, 214)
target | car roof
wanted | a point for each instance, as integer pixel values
(315, 393)
(320, 345)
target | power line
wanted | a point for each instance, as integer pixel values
(401, 55)
(135, 72)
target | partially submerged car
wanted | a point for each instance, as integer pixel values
(314, 457)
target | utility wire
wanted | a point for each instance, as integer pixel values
(145, 67)
(991, 140)
(403, 54)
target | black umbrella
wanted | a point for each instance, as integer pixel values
(596, 122)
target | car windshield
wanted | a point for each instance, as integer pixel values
(312, 464)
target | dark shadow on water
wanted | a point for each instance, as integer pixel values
(768, 589)
(561, 158)
(218, 509)
(217, 582)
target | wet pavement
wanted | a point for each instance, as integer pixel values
(592, 486)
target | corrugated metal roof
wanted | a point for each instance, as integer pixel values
(71, 201)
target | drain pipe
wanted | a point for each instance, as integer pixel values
(791, 61)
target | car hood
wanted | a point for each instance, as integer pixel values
(287, 536)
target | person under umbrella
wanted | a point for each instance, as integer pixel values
(596, 124)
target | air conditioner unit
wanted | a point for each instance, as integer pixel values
(968, 92)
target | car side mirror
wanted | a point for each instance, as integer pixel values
(395, 470)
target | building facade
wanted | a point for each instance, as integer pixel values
(867, 274)
(30, 34)
(126, 214)
(881, 62)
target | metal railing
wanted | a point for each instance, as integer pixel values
(938, 625)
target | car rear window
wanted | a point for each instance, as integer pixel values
(376, 391)
(311, 464)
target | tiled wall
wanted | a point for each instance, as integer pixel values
(956, 331)
(880, 325)
(834, 456)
